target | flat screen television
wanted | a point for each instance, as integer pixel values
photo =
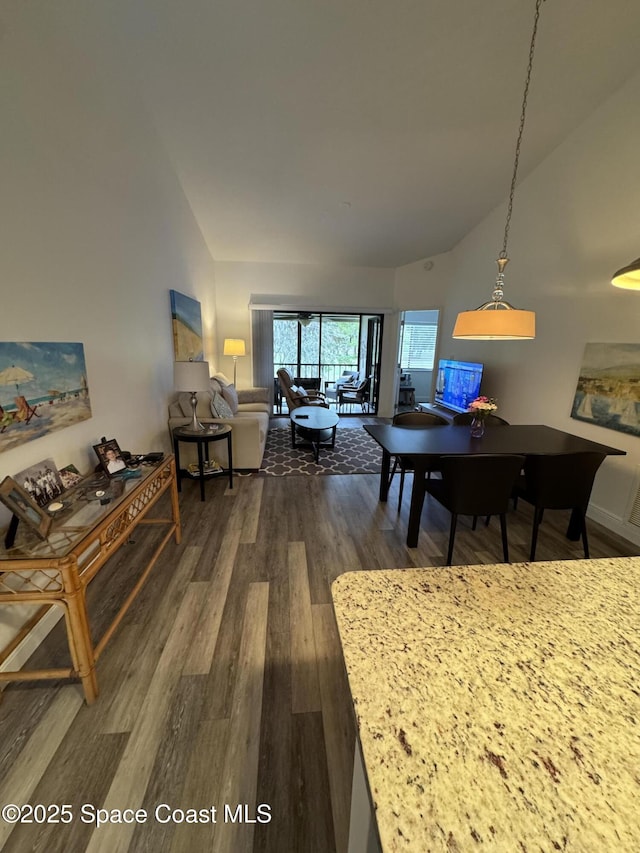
(457, 383)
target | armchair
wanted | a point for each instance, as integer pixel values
(296, 396)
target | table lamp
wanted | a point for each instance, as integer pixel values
(235, 348)
(192, 376)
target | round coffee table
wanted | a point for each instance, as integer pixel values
(316, 426)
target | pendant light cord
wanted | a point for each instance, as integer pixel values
(523, 113)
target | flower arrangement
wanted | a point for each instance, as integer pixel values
(483, 406)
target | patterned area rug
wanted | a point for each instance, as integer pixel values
(355, 453)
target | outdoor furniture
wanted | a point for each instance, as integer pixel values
(25, 411)
(355, 394)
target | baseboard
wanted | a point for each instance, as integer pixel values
(615, 524)
(22, 652)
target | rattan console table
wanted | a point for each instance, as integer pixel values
(57, 571)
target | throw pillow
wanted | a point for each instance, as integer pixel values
(231, 396)
(222, 379)
(297, 392)
(220, 408)
(253, 395)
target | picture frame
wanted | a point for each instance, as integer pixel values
(41, 481)
(20, 503)
(110, 457)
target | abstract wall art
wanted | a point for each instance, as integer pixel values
(43, 388)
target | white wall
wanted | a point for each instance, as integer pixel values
(95, 232)
(575, 221)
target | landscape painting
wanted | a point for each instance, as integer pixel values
(186, 320)
(43, 388)
(608, 391)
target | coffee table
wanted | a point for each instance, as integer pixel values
(316, 426)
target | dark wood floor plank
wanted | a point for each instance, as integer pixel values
(171, 766)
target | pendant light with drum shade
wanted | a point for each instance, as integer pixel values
(628, 277)
(497, 319)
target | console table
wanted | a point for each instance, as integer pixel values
(57, 570)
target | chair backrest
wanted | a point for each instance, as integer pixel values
(479, 484)
(425, 419)
(293, 397)
(491, 420)
(562, 480)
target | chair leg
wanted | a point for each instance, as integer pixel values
(393, 471)
(452, 536)
(474, 522)
(537, 518)
(503, 531)
(402, 473)
(585, 541)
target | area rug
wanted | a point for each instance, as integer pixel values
(355, 453)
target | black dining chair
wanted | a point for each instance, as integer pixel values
(559, 481)
(480, 484)
(465, 418)
(421, 419)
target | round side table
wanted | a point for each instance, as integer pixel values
(202, 439)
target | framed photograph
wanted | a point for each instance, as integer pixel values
(41, 481)
(70, 476)
(110, 457)
(24, 507)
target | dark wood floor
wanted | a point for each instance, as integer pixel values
(225, 682)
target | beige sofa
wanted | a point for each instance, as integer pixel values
(249, 422)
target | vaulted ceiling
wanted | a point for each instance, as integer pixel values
(362, 132)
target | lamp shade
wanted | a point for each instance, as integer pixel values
(191, 376)
(628, 277)
(486, 324)
(234, 346)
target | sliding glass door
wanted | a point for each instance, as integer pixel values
(318, 347)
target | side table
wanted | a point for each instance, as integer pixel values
(202, 439)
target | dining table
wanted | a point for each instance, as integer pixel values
(424, 445)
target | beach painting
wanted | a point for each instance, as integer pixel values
(608, 391)
(186, 321)
(43, 388)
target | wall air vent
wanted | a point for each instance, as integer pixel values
(634, 512)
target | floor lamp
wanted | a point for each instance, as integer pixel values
(234, 347)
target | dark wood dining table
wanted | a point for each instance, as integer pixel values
(424, 445)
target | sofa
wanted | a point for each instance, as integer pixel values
(247, 412)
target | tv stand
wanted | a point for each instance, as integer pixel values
(434, 409)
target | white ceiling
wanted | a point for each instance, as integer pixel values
(361, 132)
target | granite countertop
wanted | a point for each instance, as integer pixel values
(498, 706)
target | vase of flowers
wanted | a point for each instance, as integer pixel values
(481, 407)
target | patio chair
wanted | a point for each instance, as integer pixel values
(25, 411)
(355, 394)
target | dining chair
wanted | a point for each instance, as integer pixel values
(559, 481)
(421, 419)
(465, 418)
(479, 484)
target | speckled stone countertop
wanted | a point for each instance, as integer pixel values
(498, 707)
